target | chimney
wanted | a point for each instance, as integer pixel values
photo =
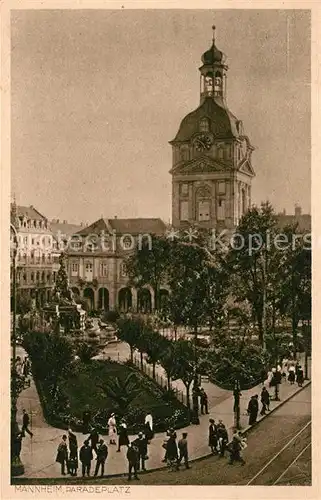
(115, 216)
(58, 221)
(65, 222)
(297, 210)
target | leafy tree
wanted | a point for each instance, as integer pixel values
(156, 344)
(184, 353)
(236, 358)
(295, 278)
(24, 302)
(130, 330)
(169, 363)
(149, 265)
(52, 356)
(252, 261)
(122, 392)
(188, 288)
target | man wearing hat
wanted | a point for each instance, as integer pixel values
(102, 452)
(141, 445)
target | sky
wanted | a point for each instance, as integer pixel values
(96, 95)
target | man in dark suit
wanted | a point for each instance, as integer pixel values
(102, 452)
(25, 423)
(141, 444)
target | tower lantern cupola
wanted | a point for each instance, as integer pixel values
(213, 72)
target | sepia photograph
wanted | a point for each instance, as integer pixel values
(160, 247)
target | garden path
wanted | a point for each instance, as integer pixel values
(39, 453)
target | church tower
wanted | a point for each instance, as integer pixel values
(212, 171)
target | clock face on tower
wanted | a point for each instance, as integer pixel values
(203, 142)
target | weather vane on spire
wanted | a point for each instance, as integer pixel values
(213, 28)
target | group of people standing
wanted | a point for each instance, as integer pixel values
(67, 452)
(23, 369)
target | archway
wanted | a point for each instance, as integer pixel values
(124, 299)
(89, 295)
(103, 299)
(144, 301)
(163, 299)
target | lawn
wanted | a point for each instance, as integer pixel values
(94, 384)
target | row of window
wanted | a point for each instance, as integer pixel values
(36, 259)
(36, 277)
(89, 268)
(32, 224)
(35, 241)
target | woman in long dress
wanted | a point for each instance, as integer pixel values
(149, 433)
(112, 429)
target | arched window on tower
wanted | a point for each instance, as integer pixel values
(204, 125)
(218, 84)
(208, 84)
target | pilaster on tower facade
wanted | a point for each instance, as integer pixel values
(211, 165)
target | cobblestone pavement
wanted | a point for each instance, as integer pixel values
(39, 453)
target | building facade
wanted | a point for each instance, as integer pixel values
(35, 269)
(96, 263)
(211, 156)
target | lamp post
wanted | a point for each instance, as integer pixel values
(14, 288)
(237, 394)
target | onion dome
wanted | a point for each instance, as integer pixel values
(213, 55)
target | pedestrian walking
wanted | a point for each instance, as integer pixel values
(122, 436)
(25, 423)
(276, 381)
(299, 376)
(204, 401)
(62, 454)
(86, 456)
(112, 429)
(222, 437)
(86, 419)
(102, 453)
(149, 433)
(212, 436)
(183, 451)
(132, 457)
(235, 449)
(172, 453)
(93, 438)
(253, 409)
(265, 400)
(291, 375)
(141, 444)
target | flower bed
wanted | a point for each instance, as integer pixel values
(83, 387)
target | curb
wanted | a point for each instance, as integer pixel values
(164, 467)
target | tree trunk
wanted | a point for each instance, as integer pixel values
(141, 361)
(131, 354)
(168, 382)
(154, 371)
